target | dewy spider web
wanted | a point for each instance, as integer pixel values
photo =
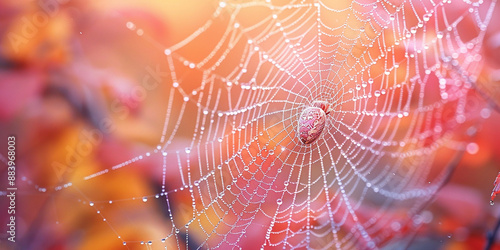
(398, 76)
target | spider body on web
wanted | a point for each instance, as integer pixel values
(312, 121)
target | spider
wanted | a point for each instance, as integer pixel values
(312, 121)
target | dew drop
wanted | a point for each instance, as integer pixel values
(91, 204)
(144, 198)
(485, 113)
(472, 148)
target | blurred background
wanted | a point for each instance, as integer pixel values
(81, 76)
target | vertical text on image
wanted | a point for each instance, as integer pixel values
(11, 187)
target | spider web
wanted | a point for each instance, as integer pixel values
(399, 77)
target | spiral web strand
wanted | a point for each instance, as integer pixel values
(396, 75)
